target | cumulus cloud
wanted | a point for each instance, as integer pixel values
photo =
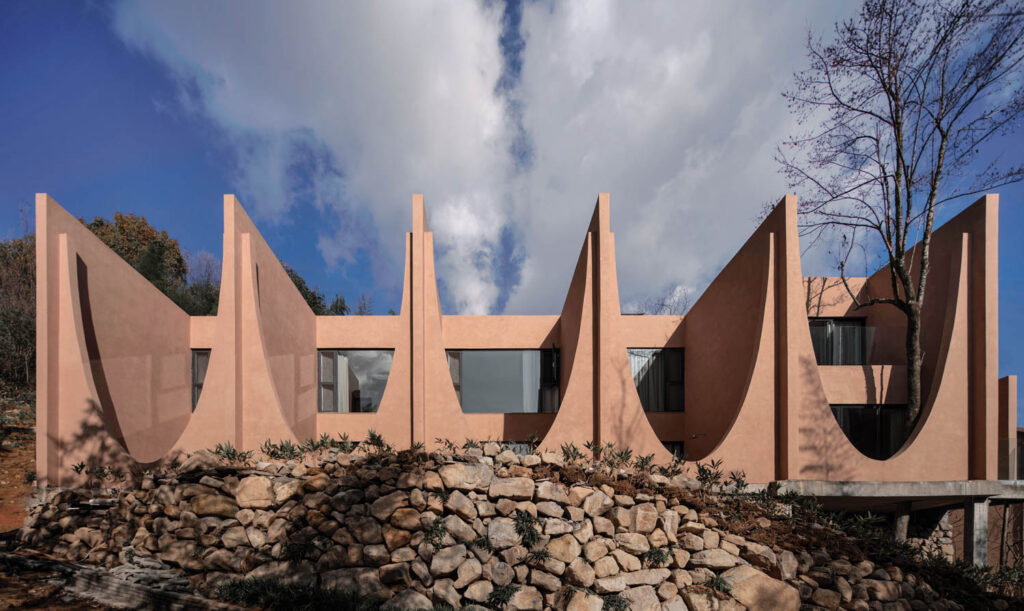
(673, 109)
(357, 106)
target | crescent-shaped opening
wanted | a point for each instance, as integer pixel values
(877, 431)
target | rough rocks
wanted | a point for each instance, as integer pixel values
(457, 531)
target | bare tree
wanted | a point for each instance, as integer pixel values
(365, 305)
(900, 108)
(674, 301)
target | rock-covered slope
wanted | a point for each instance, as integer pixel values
(486, 528)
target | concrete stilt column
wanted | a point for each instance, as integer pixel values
(976, 532)
(901, 521)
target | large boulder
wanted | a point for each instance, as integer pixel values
(759, 592)
(516, 488)
(642, 598)
(501, 532)
(255, 492)
(597, 503)
(447, 560)
(565, 548)
(526, 598)
(200, 460)
(213, 505)
(386, 505)
(715, 559)
(466, 476)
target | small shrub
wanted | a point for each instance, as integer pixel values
(709, 474)
(435, 533)
(672, 469)
(738, 480)
(526, 526)
(271, 594)
(482, 542)
(534, 441)
(346, 445)
(656, 556)
(283, 450)
(228, 452)
(572, 454)
(501, 595)
(78, 468)
(298, 550)
(375, 445)
(449, 445)
(30, 475)
(719, 584)
(538, 556)
(617, 459)
(417, 447)
(315, 445)
(643, 464)
(614, 602)
(471, 444)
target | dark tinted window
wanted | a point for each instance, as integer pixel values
(506, 381)
(658, 375)
(878, 431)
(200, 362)
(838, 341)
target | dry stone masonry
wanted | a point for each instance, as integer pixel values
(485, 529)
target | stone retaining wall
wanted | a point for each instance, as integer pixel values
(485, 529)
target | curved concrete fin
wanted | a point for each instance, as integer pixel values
(127, 392)
(262, 416)
(218, 409)
(829, 455)
(83, 435)
(575, 418)
(751, 433)
(621, 417)
(436, 412)
(730, 353)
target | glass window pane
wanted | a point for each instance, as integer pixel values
(658, 375)
(200, 363)
(820, 335)
(849, 334)
(327, 403)
(353, 380)
(505, 381)
(327, 366)
(877, 431)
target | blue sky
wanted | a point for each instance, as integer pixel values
(510, 118)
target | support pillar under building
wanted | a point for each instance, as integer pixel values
(976, 532)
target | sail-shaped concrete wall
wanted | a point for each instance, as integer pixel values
(114, 359)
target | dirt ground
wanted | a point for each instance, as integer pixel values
(37, 589)
(17, 462)
(21, 588)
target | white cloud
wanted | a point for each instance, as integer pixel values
(399, 95)
(672, 108)
(675, 110)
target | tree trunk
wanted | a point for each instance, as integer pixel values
(914, 359)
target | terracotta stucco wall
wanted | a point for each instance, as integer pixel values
(754, 395)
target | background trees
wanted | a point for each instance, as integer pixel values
(191, 281)
(900, 111)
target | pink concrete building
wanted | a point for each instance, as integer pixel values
(772, 372)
